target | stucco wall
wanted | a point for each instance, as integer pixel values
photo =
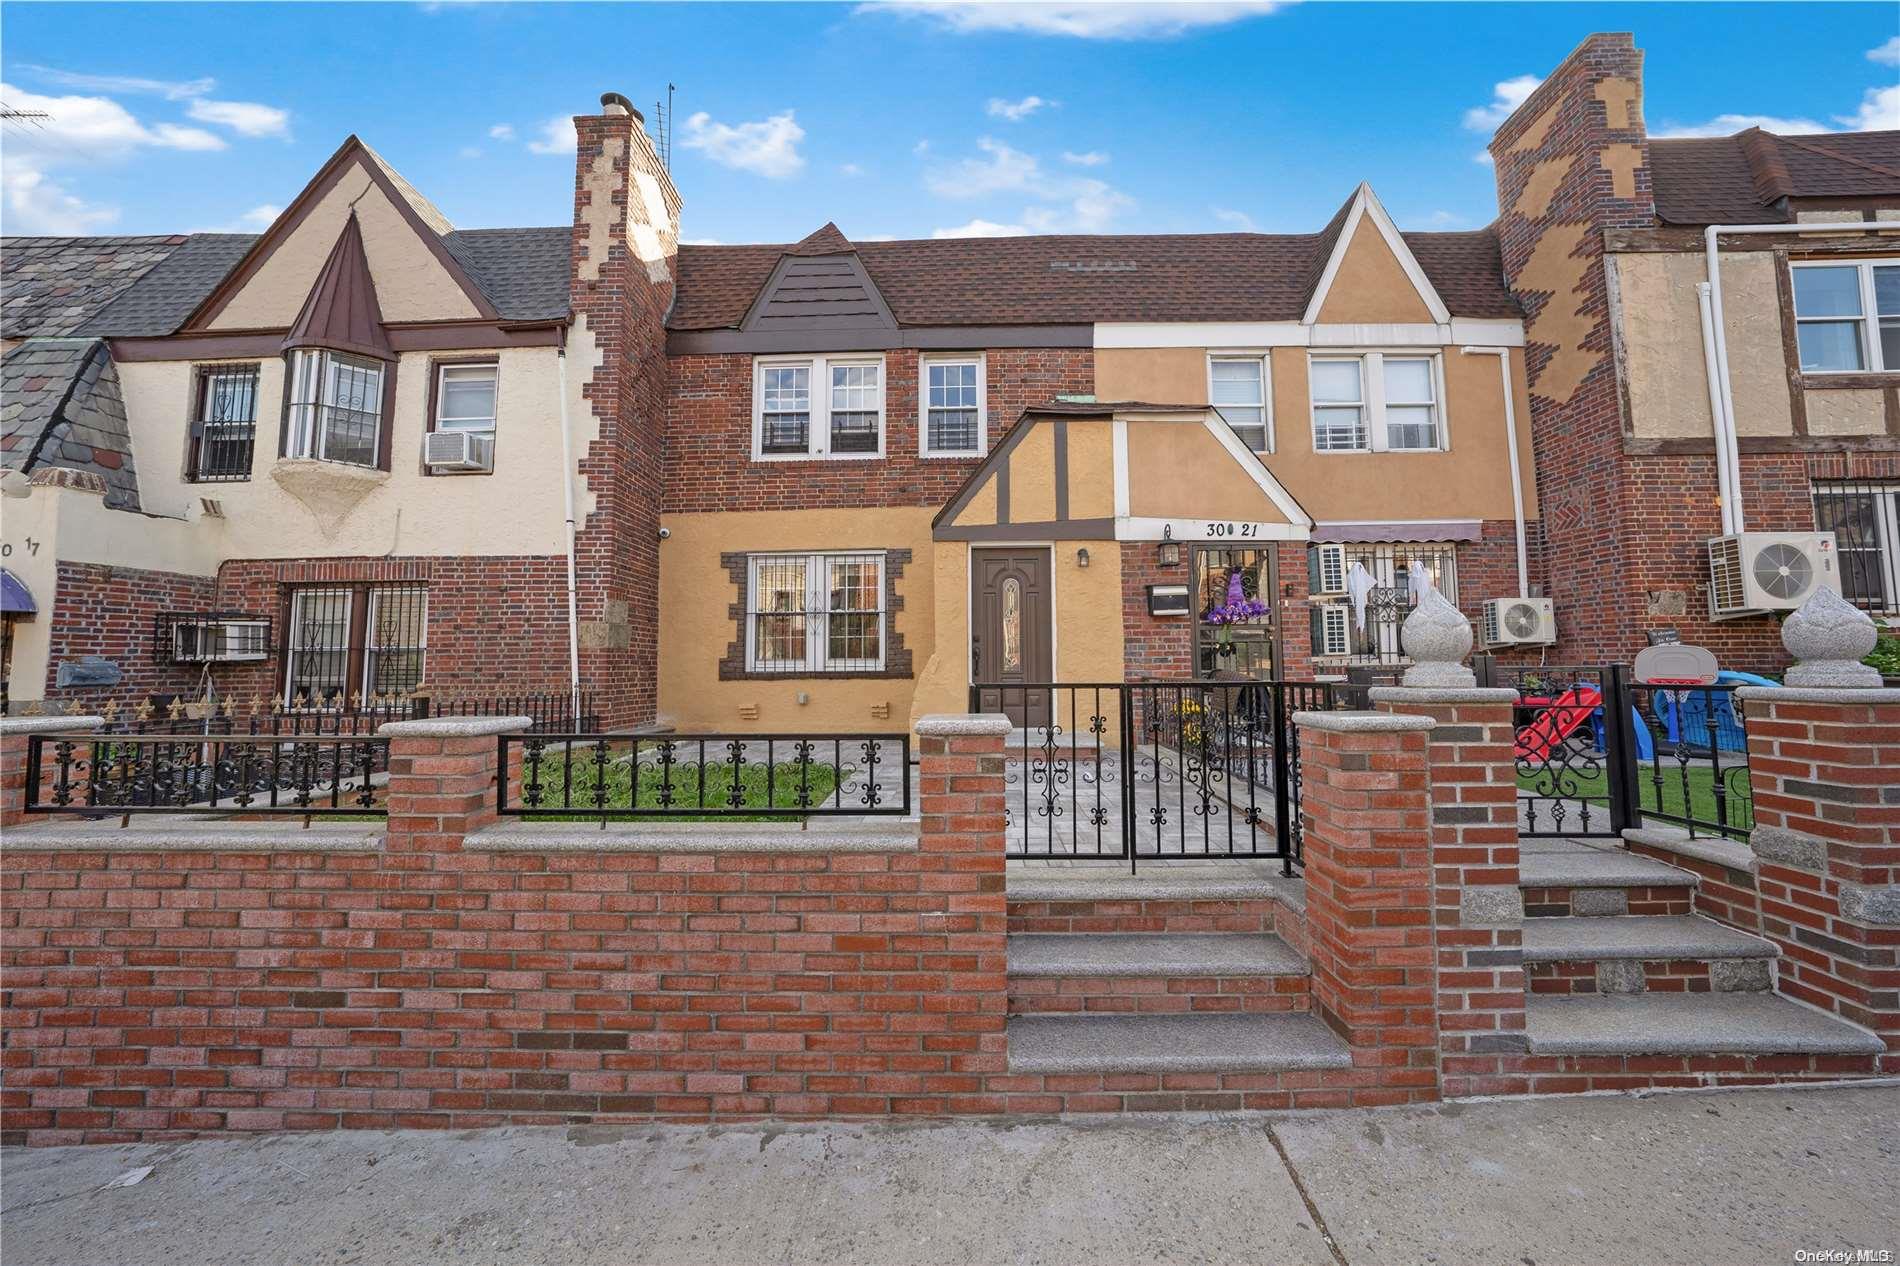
(1842, 411)
(1178, 468)
(1470, 480)
(517, 510)
(1659, 334)
(411, 283)
(1370, 286)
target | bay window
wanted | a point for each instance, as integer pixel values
(1379, 402)
(818, 406)
(815, 613)
(1847, 316)
(1237, 388)
(336, 408)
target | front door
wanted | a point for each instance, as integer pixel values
(1010, 632)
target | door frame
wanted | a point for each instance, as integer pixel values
(969, 604)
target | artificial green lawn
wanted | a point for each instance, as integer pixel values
(819, 782)
(1666, 802)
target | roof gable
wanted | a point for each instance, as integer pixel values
(63, 407)
(421, 279)
(827, 240)
(1349, 246)
(811, 293)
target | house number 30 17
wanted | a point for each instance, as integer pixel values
(32, 548)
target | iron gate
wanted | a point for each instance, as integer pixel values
(1154, 770)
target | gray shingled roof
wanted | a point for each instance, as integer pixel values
(60, 405)
(524, 272)
(56, 285)
(161, 300)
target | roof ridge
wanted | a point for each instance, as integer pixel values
(1823, 151)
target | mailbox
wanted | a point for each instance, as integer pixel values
(1167, 599)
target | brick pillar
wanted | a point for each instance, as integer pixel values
(1825, 768)
(14, 733)
(1366, 800)
(1478, 908)
(963, 924)
(442, 779)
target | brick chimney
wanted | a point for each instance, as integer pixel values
(625, 254)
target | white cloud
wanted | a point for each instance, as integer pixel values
(920, 148)
(850, 169)
(1015, 111)
(768, 147)
(469, 151)
(1483, 158)
(246, 118)
(502, 132)
(1005, 169)
(35, 204)
(1240, 220)
(701, 241)
(1091, 205)
(1506, 96)
(1887, 54)
(172, 89)
(1093, 158)
(1443, 220)
(983, 228)
(557, 137)
(1078, 19)
(1879, 110)
(260, 217)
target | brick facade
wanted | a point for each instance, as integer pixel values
(112, 612)
(709, 464)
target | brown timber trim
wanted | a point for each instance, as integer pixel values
(420, 336)
(947, 338)
(1790, 345)
(1061, 456)
(1682, 240)
(897, 656)
(998, 458)
(299, 210)
(1848, 382)
(1048, 530)
(1763, 444)
(1892, 403)
(436, 365)
(386, 425)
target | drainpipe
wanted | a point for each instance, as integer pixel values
(1710, 361)
(1510, 439)
(567, 500)
(1716, 336)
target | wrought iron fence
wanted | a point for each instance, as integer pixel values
(125, 774)
(1571, 776)
(1690, 757)
(706, 776)
(1858, 499)
(552, 712)
(1154, 770)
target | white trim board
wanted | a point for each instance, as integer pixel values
(1240, 336)
(1365, 204)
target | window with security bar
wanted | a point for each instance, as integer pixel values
(350, 642)
(815, 613)
(818, 407)
(336, 408)
(953, 407)
(224, 424)
(1864, 516)
(1356, 614)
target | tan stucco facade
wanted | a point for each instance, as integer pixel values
(1469, 480)
(1370, 286)
(1182, 470)
(1846, 411)
(1659, 339)
(411, 282)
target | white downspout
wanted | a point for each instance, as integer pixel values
(1712, 326)
(1714, 375)
(1517, 475)
(567, 501)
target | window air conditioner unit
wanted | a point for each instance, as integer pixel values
(218, 641)
(1329, 569)
(463, 452)
(1752, 572)
(1519, 622)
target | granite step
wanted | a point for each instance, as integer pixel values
(1690, 1024)
(1599, 868)
(1151, 954)
(1672, 938)
(1173, 1044)
(1240, 881)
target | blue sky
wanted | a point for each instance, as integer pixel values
(899, 119)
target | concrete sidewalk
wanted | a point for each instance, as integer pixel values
(1730, 1178)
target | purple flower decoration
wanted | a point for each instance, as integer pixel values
(1238, 607)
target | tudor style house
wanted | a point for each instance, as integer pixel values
(828, 486)
(1714, 337)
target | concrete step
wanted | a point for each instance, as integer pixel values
(1235, 881)
(1598, 868)
(1650, 937)
(1147, 955)
(1173, 1044)
(1690, 1024)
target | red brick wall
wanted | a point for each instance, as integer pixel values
(709, 464)
(112, 612)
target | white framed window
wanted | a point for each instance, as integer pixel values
(817, 406)
(1238, 386)
(1847, 316)
(1378, 402)
(815, 613)
(954, 421)
(1865, 519)
(336, 408)
(465, 397)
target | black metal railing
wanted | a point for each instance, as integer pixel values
(552, 713)
(1153, 769)
(126, 774)
(223, 452)
(1572, 727)
(1690, 756)
(1858, 499)
(765, 777)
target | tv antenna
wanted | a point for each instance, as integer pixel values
(663, 128)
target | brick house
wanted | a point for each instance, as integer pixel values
(1646, 447)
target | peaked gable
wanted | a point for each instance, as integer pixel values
(1371, 274)
(342, 312)
(828, 240)
(417, 277)
(808, 294)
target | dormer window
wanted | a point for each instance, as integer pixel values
(336, 408)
